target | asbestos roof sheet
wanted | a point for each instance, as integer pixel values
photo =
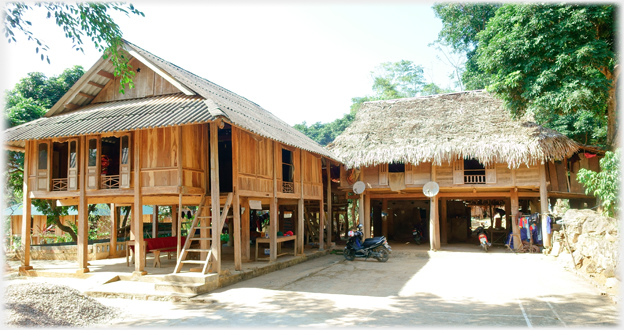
(158, 111)
(239, 110)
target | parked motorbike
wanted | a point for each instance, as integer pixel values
(377, 248)
(418, 236)
(483, 238)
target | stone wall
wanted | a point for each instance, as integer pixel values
(595, 243)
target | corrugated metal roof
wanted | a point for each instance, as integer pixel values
(165, 111)
(239, 110)
(158, 111)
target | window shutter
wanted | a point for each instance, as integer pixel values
(409, 178)
(490, 173)
(383, 174)
(458, 171)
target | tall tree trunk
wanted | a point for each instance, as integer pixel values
(612, 123)
(57, 221)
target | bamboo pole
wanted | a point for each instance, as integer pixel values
(113, 240)
(544, 206)
(237, 233)
(329, 203)
(155, 222)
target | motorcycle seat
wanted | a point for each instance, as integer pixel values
(372, 241)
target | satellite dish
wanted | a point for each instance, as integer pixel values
(359, 187)
(431, 189)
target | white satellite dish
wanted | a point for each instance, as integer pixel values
(359, 187)
(431, 189)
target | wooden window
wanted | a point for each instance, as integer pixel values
(93, 152)
(383, 174)
(125, 150)
(409, 178)
(43, 156)
(490, 173)
(458, 171)
(72, 154)
(474, 172)
(396, 168)
(288, 171)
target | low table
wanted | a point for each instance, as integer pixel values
(280, 239)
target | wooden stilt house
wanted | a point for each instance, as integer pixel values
(468, 144)
(175, 139)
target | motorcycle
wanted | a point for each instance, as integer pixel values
(483, 238)
(377, 248)
(417, 233)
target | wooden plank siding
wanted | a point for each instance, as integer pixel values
(255, 168)
(147, 83)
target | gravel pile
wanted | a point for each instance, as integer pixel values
(49, 305)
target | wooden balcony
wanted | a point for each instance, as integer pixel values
(288, 187)
(110, 182)
(59, 184)
(474, 179)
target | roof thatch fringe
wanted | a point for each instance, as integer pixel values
(443, 128)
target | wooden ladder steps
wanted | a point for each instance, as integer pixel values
(198, 250)
(200, 239)
(204, 227)
(194, 262)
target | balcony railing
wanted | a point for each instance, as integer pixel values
(59, 184)
(474, 179)
(110, 182)
(288, 187)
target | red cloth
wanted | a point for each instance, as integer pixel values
(588, 155)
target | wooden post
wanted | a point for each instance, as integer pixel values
(204, 232)
(137, 212)
(300, 208)
(237, 233)
(443, 222)
(245, 253)
(361, 210)
(329, 203)
(26, 206)
(215, 198)
(514, 218)
(384, 219)
(434, 218)
(113, 239)
(353, 202)
(179, 225)
(434, 232)
(83, 224)
(174, 220)
(155, 222)
(367, 216)
(507, 214)
(273, 209)
(544, 206)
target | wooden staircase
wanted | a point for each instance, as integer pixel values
(203, 212)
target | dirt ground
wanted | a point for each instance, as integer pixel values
(450, 289)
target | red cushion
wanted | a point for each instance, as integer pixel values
(162, 242)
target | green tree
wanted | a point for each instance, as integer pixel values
(433, 89)
(461, 22)
(604, 184)
(324, 134)
(393, 80)
(28, 101)
(553, 60)
(80, 20)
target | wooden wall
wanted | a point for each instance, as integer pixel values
(255, 167)
(146, 82)
(159, 156)
(417, 175)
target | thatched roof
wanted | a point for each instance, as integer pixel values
(442, 128)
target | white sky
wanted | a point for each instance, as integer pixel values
(302, 62)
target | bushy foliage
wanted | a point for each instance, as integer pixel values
(86, 19)
(604, 184)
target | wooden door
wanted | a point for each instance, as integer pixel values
(383, 174)
(490, 173)
(72, 165)
(43, 166)
(124, 162)
(458, 171)
(93, 162)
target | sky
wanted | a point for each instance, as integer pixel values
(302, 62)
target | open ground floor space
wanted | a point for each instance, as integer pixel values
(415, 287)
